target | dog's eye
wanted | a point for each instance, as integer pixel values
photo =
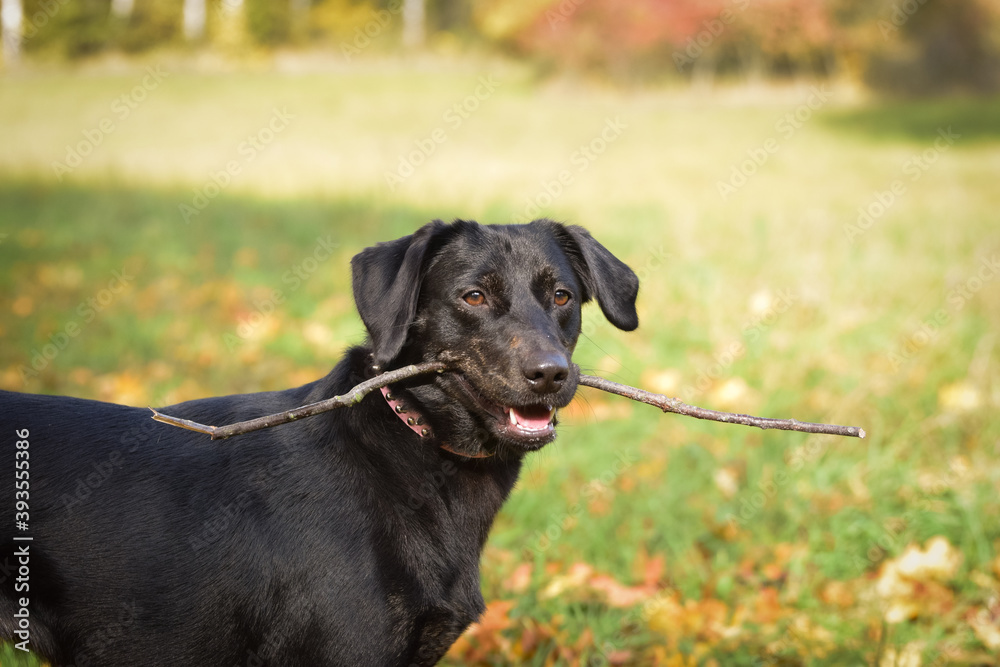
(561, 297)
(475, 298)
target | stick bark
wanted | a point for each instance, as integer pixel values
(354, 396)
(676, 406)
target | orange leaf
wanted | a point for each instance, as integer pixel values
(619, 595)
(494, 619)
(767, 607)
(520, 579)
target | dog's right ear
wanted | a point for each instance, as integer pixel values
(386, 280)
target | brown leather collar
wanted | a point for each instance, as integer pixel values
(416, 423)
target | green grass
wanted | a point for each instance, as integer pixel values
(814, 510)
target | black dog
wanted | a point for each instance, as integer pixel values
(350, 538)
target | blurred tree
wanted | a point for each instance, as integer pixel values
(908, 46)
(269, 23)
(933, 46)
(73, 29)
(786, 37)
(452, 16)
(194, 19)
(413, 23)
(298, 19)
(122, 9)
(336, 20)
(229, 29)
(11, 15)
(150, 24)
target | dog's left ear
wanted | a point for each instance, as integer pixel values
(386, 281)
(604, 276)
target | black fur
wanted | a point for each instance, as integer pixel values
(342, 539)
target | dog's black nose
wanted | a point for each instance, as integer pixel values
(545, 371)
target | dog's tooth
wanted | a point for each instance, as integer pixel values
(513, 419)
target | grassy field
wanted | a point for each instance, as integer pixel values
(802, 255)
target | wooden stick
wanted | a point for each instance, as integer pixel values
(676, 406)
(355, 395)
(350, 398)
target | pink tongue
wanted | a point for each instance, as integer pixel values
(534, 418)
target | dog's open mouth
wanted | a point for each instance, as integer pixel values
(532, 425)
(531, 420)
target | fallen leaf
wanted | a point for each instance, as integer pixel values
(727, 480)
(651, 568)
(767, 607)
(959, 397)
(617, 594)
(486, 637)
(730, 393)
(908, 656)
(575, 579)
(666, 381)
(520, 579)
(939, 561)
(837, 593)
(911, 585)
(985, 622)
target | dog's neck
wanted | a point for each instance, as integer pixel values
(416, 423)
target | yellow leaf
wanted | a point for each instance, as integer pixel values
(908, 656)
(730, 393)
(939, 561)
(985, 622)
(666, 381)
(727, 481)
(959, 397)
(909, 586)
(575, 579)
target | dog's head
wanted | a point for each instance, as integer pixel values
(501, 305)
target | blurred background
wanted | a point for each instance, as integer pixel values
(807, 189)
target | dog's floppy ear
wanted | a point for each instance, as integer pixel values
(604, 276)
(386, 279)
